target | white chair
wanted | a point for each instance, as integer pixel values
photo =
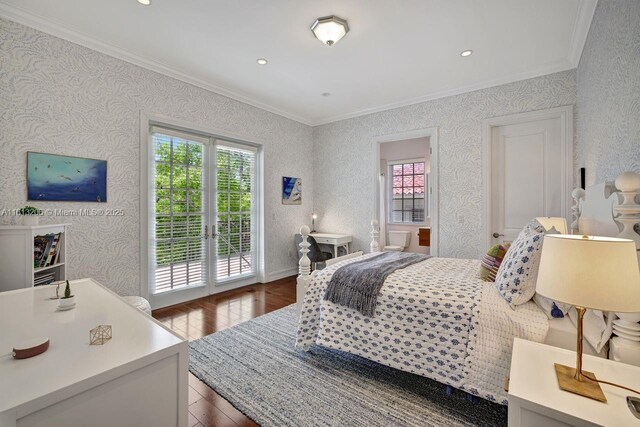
(139, 303)
(398, 241)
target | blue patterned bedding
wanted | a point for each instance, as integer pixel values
(426, 321)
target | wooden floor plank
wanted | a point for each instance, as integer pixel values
(207, 315)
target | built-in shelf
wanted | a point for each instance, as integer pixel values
(17, 255)
(48, 267)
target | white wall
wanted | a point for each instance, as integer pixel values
(344, 157)
(404, 150)
(58, 97)
(608, 108)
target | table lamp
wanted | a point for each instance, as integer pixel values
(600, 273)
(314, 216)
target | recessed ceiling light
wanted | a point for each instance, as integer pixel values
(330, 29)
(144, 2)
(466, 53)
(326, 94)
(262, 61)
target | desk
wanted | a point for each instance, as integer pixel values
(139, 377)
(536, 400)
(336, 241)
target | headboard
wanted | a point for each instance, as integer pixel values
(609, 209)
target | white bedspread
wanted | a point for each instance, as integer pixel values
(436, 318)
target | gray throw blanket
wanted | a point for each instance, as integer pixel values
(358, 284)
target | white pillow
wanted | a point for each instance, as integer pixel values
(596, 329)
(517, 275)
(546, 305)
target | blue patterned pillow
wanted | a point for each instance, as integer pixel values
(516, 277)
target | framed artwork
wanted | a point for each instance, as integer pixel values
(291, 191)
(55, 178)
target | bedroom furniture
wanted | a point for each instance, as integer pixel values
(315, 254)
(398, 241)
(625, 345)
(536, 400)
(16, 255)
(600, 273)
(424, 236)
(339, 242)
(139, 377)
(628, 212)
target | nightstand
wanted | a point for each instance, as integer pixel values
(536, 400)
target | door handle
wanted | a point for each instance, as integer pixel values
(496, 235)
(206, 231)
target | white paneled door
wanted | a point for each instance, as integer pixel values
(528, 175)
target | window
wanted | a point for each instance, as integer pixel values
(407, 195)
(203, 211)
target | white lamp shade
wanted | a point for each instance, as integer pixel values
(591, 272)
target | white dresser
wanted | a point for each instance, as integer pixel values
(138, 378)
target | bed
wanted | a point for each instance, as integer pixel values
(438, 319)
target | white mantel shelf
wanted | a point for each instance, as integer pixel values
(140, 349)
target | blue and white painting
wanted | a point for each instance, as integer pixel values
(55, 178)
(291, 191)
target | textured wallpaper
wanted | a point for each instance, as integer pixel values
(344, 157)
(608, 108)
(58, 97)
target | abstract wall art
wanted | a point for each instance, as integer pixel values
(55, 178)
(291, 191)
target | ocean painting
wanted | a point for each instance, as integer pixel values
(291, 191)
(55, 178)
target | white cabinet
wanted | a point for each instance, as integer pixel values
(17, 268)
(138, 378)
(536, 400)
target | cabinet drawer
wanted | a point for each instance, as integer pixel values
(322, 240)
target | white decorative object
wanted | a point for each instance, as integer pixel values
(625, 346)
(138, 302)
(65, 304)
(374, 246)
(578, 195)
(76, 384)
(30, 220)
(628, 212)
(304, 268)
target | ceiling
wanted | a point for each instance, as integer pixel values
(396, 53)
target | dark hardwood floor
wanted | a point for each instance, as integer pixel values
(204, 316)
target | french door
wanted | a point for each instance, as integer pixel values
(203, 209)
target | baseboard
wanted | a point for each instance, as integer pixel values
(281, 274)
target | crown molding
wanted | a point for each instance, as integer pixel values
(586, 10)
(58, 30)
(555, 67)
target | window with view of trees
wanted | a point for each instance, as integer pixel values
(407, 198)
(204, 210)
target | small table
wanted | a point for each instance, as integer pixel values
(337, 241)
(536, 400)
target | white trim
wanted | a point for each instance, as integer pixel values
(579, 35)
(586, 10)
(565, 114)
(556, 67)
(281, 274)
(168, 298)
(60, 30)
(434, 205)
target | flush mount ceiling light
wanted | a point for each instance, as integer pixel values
(144, 2)
(262, 61)
(466, 53)
(330, 29)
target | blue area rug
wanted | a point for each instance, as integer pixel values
(255, 367)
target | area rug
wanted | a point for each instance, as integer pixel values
(255, 367)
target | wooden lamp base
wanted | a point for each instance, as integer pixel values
(584, 387)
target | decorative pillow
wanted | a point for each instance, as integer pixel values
(551, 308)
(533, 226)
(490, 263)
(517, 275)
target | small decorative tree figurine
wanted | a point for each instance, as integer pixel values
(68, 301)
